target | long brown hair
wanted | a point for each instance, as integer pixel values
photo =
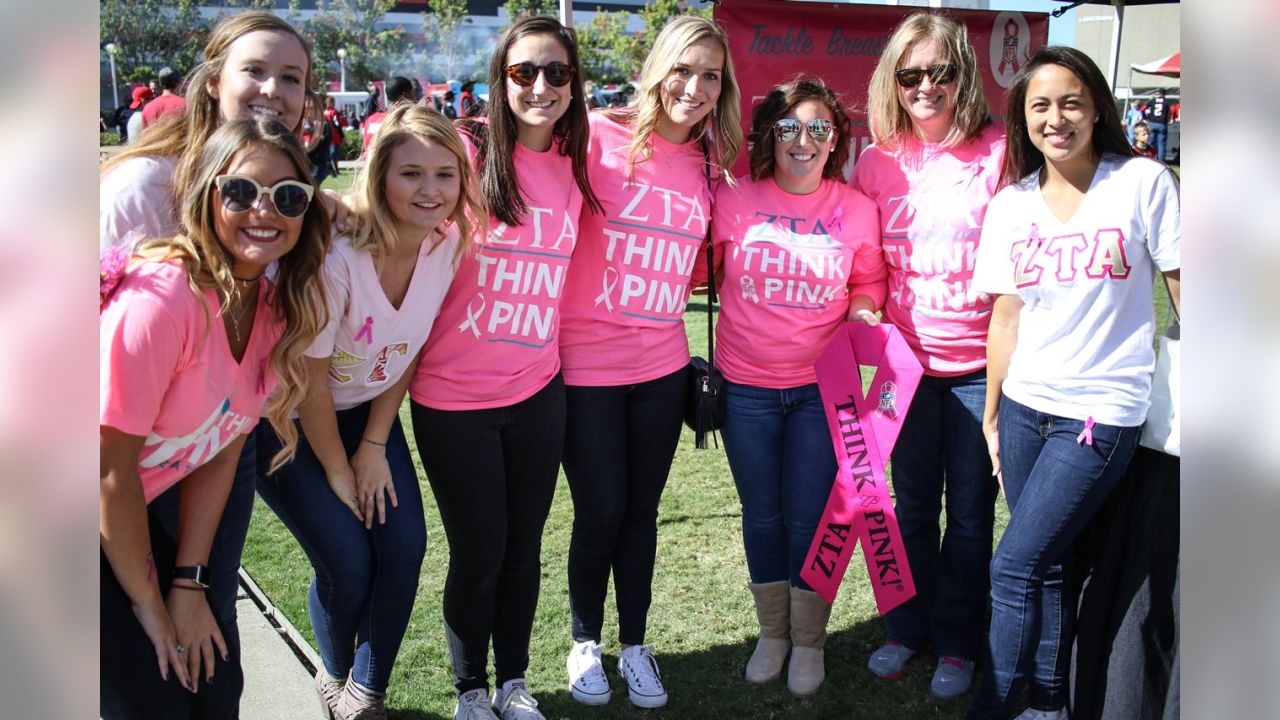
(297, 298)
(1021, 156)
(375, 226)
(495, 140)
(776, 105)
(724, 121)
(182, 136)
(891, 125)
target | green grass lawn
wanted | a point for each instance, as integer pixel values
(702, 621)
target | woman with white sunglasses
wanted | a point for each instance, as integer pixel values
(797, 254)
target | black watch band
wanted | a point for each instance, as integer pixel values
(199, 574)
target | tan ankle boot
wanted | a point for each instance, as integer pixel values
(773, 610)
(809, 616)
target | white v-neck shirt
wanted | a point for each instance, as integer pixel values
(369, 342)
(1086, 328)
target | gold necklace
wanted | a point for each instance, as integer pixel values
(238, 314)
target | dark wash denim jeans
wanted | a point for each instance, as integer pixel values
(366, 580)
(130, 679)
(780, 453)
(1054, 485)
(941, 452)
(619, 444)
(493, 473)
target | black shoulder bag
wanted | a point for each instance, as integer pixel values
(704, 404)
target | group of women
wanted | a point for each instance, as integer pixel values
(523, 275)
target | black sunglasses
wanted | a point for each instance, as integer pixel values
(240, 193)
(526, 73)
(788, 129)
(940, 74)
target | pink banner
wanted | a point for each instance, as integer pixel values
(864, 429)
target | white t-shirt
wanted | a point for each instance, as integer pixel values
(137, 197)
(369, 342)
(1085, 331)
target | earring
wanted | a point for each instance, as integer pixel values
(1096, 118)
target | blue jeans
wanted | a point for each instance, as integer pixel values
(619, 444)
(941, 450)
(1159, 134)
(780, 453)
(1054, 485)
(127, 690)
(366, 580)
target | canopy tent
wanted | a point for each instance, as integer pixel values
(1168, 67)
(1117, 28)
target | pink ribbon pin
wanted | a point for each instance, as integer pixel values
(1086, 435)
(366, 331)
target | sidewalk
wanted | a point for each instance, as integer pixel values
(278, 684)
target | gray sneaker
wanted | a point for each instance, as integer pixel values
(1033, 714)
(952, 678)
(888, 661)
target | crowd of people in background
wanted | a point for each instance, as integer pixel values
(494, 264)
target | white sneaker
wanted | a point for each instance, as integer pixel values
(474, 705)
(513, 702)
(644, 680)
(1033, 714)
(587, 682)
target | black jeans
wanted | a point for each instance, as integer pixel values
(493, 473)
(130, 677)
(619, 444)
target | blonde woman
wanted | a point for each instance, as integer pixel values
(932, 171)
(623, 342)
(351, 495)
(194, 339)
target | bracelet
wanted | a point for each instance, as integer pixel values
(186, 587)
(374, 442)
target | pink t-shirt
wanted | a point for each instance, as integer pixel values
(494, 343)
(791, 263)
(369, 342)
(629, 284)
(932, 202)
(166, 372)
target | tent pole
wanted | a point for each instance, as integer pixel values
(566, 13)
(1115, 43)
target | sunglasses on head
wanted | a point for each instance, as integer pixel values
(788, 129)
(940, 74)
(241, 193)
(526, 73)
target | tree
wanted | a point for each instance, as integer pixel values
(149, 34)
(607, 48)
(372, 53)
(517, 9)
(446, 46)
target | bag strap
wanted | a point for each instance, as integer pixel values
(711, 265)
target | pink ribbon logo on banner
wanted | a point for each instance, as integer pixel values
(863, 433)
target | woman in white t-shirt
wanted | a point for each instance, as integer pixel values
(351, 495)
(1070, 247)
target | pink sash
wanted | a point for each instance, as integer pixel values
(863, 431)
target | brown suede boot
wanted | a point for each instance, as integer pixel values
(773, 610)
(809, 616)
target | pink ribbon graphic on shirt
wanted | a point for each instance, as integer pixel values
(366, 331)
(859, 508)
(607, 285)
(472, 322)
(836, 218)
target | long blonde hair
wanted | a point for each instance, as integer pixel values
(375, 231)
(725, 118)
(182, 136)
(297, 298)
(891, 126)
